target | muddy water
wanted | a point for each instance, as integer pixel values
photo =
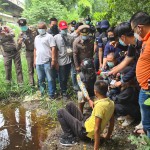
(22, 129)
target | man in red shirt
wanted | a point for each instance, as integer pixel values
(140, 23)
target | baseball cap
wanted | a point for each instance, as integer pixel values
(104, 24)
(84, 29)
(63, 25)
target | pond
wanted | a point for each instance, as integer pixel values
(23, 129)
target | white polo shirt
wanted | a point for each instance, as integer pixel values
(43, 44)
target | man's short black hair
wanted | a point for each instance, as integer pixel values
(101, 87)
(140, 18)
(123, 28)
(53, 19)
(110, 29)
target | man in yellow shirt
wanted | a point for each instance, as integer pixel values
(74, 124)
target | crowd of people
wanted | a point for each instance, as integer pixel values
(109, 67)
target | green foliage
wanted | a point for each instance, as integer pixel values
(142, 142)
(44, 10)
(115, 11)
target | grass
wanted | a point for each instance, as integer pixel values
(13, 90)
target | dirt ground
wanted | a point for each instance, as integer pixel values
(119, 141)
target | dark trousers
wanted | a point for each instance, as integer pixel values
(30, 61)
(96, 62)
(8, 57)
(64, 72)
(124, 110)
(72, 121)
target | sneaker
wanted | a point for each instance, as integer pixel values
(127, 122)
(64, 136)
(121, 118)
(70, 141)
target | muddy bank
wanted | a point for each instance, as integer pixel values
(27, 126)
(119, 141)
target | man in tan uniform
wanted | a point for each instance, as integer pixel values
(10, 53)
(83, 46)
(27, 37)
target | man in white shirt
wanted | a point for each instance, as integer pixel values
(45, 59)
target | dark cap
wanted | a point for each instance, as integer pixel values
(22, 22)
(73, 23)
(84, 29)
(104, 24)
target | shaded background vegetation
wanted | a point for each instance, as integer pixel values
(114, 10)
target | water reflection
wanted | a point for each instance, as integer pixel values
(22, 129)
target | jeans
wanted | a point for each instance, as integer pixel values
(145, 110)
(45, 71)
(72, 121)
(64, 72)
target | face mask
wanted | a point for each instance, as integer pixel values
(87, 22)
(64, 32)
(72, 28)
(54, 29)
(85, 37)
(41, 31)
(24, 28)
(122, 43)
(110, 64)
(111, 38)
(137, 37)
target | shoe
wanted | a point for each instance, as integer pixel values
(121, 118)
(68, 141)
(64, 136)
(139, 126)
(127, 122)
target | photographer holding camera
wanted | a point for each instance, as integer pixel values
(10, 53)
(27, 37)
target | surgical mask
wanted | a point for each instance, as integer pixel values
(24, 28)
(122, 43)
(54, 30)
(110, 64)
(64, 32)
(42, 31)
(87, 22)
(72, 28)
(136, 35)
(85, 37)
